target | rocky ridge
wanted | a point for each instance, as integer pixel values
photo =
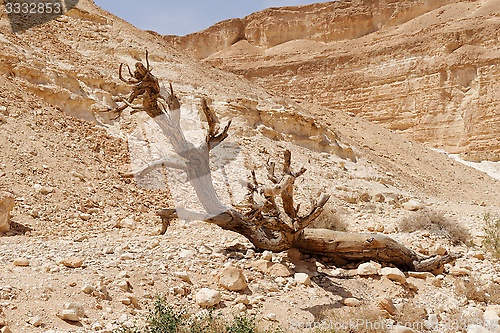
(426, 69)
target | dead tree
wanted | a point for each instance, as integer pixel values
(270, 220)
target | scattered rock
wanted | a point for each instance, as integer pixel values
(231, 278)
(302, 278)
(267, 255)
(88, 289)
(6, 205)
(368, 268)
(21, 262)
(440, 250)
(123, 285)
(72, 262)
(261, 265)
(413, 205)
(393, 274)
(206, 297)
(69, 315)
(36, 321)
(43, 189)
(271, 317)
(280, 270)
(385, 303)
(243, 299)
(352, 302)
(459, 271)
(72, 312)
(421, 275)
(184, 276)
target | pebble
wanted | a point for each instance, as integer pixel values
(302, 278)
(36, 321)
(206, 297)
(267, 255)
(385, 303)
(72, 262)
(232, 278)
(393, 274)
(459, 271)
(280, 270)
(368, 268)
(21, 262)
(352, 302)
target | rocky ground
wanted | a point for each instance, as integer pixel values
(84, 253)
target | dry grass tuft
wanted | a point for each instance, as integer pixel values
(330, 220)
(492, 231)
(435, 222)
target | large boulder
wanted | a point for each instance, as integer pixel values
(6, 204)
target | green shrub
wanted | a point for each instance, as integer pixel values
(492, 231)
(164, 318)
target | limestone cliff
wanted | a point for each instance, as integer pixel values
(427, 69)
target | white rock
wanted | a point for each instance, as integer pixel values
(69, 315)
(352, 302)
(302, 278)
(491, 317)
(184, 276)
(36, 321)
(459, 271)
(267, 255)
(369, 268)
(413, 205)
(231, 278)
(87, 289)
(21, 262)
(75, 306)
(186, 254)
(6, 205)
(271, 317)
(206, 297)
(393, 274)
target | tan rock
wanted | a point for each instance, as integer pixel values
(7, 203)
(280, 270)
(385, 303)
(261, 265)
(72, 262)
(393, 274)
(231, 278)
(421, 275)
(21, 262)
(5, 329)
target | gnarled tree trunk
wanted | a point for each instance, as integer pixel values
(264, 223)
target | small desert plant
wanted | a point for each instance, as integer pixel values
(436, 222)
(329, 219)
(492, 231)
(164, 318)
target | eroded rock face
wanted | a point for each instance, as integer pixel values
(427, 69)
(6, 204)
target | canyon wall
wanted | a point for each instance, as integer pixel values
(427, 69)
